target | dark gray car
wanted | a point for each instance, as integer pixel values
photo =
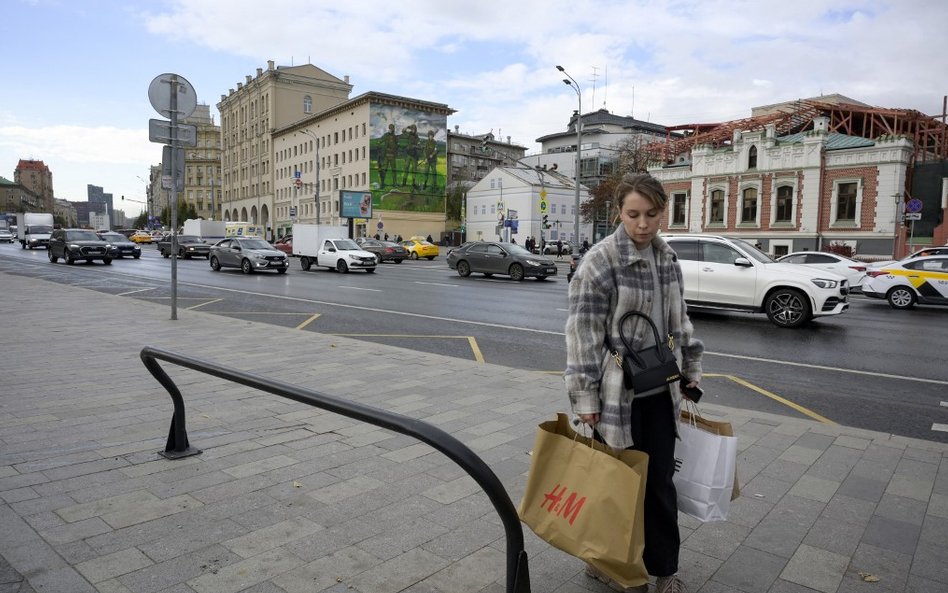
(76, 244)
(250, 254)
(489, 258)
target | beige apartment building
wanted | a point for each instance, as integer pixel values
(272, 99)
(390, 148)
(202, 181)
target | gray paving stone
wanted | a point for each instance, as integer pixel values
(929, 562)
(717, 540)
(891, 534)
(835, 536)
(178, 570)
(863, 488)
(816, 568)
(750, 570)
(892, 569)
(901, 509)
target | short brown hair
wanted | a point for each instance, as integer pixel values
(644, 185)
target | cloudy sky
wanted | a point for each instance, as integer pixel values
(76, 72)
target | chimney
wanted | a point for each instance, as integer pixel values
(821, 124)
(240, 85)
(259, 71)
(508, 139)
(248, 79)
(346, 78)
(269, 64)
(456, 128)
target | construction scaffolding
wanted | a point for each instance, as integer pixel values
(928, 134)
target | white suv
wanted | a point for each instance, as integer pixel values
(725, 273)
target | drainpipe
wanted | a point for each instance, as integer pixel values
(819, 209)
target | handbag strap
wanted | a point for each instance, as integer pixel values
(629, 350)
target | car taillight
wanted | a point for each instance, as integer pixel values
(858, 268)
(389, 250)
(874, 273)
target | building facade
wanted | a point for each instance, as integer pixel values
(100, 203)
(803, 191)
(471, 158)
(202, 180)
(271, 100)
(390, 148)
(15, 197)
(524, 191)
(36, 177)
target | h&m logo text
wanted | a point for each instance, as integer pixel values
(568, 509)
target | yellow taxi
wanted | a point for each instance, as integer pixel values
(418, 247)
(141, 237)
(923, 280)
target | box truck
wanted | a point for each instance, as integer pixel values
(209, 231)
(328, 247)
(33, 229)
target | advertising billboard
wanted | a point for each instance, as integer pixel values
(408, 165)
(355, 204)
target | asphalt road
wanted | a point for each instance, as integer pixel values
(872, 367)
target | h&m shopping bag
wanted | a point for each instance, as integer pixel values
(706, 478)
(588, 500)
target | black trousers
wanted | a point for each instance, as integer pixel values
(653, 432)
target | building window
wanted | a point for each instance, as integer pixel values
(846, 202)
(749, 205)
(716, 209)
(679, 204)
(307, 104)
(784, 210)
(752, 158)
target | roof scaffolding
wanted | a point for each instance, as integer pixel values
(928, 134)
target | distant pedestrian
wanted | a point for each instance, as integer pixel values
(376, 236)
(585, 245)
(429, 239)
(559, 248)
(386, 236)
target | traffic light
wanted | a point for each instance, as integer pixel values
(546, 222)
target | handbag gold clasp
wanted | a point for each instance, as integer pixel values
(615, 355)
(671, 342)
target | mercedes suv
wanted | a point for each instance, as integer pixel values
(731, 274)
(76, 244)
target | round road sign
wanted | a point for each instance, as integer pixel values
(160, 95)
(913, 205)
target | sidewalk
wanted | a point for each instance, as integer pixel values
(288, 498)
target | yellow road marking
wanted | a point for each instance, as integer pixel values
(475, 349)
(311, 319)
(775, 397)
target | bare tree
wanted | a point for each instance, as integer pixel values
(631, 157)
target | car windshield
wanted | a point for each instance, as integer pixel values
(114, 237)
(389, 244)
(754, 252)
(516, 250)
(188, 239)
(346, 244)
(254, 244)
(39, 229)
(81, 236)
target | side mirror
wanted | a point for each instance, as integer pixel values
(332, 250)
(743, 262)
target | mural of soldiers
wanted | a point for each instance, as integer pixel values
(431, 161)
(387, 155)
(411, 151)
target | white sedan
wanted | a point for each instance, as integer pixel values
(854, 271)
(923, 280)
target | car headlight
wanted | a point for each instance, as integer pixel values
(531, 262)
(825, 283)
(73, 246)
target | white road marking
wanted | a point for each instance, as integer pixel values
(945, 404)
(360, 288)
(567, 310)
(940, 427)
(437, 284)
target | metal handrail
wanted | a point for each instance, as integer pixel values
(518, 577)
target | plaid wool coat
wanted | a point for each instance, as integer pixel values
(611, 280)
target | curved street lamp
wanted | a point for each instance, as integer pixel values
(571, 82)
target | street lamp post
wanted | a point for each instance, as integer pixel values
(571, 82)
(148, 206)
(315, 166)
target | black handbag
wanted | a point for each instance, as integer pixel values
(648, 368)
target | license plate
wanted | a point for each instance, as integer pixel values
(550, 270)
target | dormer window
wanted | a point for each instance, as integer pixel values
(752, 158)
(307, 104)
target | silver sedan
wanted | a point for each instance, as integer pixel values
(250, 254)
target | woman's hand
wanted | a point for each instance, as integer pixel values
(691, 385)
(590, 419)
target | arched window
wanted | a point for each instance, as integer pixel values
(752, 158)
(307, 104)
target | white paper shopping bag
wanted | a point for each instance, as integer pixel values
(705, 476)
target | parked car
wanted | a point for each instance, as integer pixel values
(732, 274)
(76, 244)
(141, 237)
(188, 246)
(121, 245)
(854, 271)
(550, 248)
(420, 248)
(920, 253)
(6, 236)
(250, 254)
(490, 257)
(285, 244)
(383, 250)
(922, 280)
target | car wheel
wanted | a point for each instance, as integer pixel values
(67, 257)
(378, 260)
(107, 261)
(901, 297)
(341, 267)
(52, 258)
(516, 272)
(305, 263)
(182, 254)
(137, 256)
(414, 255)
(787, 308)
(464, 269)
(281, 271)
(165, 254)
(246, 267)
(215, 265)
